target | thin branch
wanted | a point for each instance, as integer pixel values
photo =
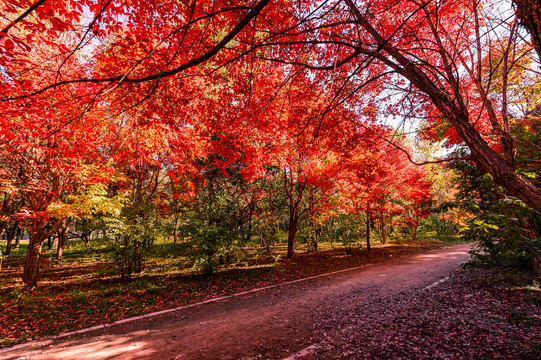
(396, 146)
(251, 13)
(5, 30)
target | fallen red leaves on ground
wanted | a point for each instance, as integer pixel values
(73, 297)
(477, 314)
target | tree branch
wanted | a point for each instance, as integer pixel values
(5, 30)
(252, 12)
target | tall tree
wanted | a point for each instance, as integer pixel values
(158, 58)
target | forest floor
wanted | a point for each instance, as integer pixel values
(85, 290)
(477, 313)
(391, 309)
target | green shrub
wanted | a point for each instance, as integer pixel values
(212, 230)
(504, 228)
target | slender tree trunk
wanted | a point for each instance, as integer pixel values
(368, 230)
(8, 245)
(315, 237)
(39, 232)
(62, 236)
(537, 268)
(291, 236)
(175, 231)
(18, 235)
(10, 235)
(31, 263)
(4, 224)
(294, 203)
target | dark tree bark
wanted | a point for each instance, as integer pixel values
(529, 13)
(18, 234)
(294, 212)
(292, 230)
(10, 235)
(315, 237)
(455, 112)
(40, 231)
(368, 229)
(537, 268)
(62, 237)
(175, 230)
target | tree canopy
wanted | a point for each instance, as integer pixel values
(93, 89)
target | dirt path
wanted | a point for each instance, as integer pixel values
(274, 323)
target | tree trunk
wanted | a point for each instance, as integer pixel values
(10, 235)
(294, 203)
(62, 236)
(31, 262)
(4, 224)
(293, 221)
(39, 232)
(18, 234)
(291, 237)
(175, 231)
(315, 237)
(529, 13)
(368, 230)
(537, 268)
(8, 245)
(86, 238)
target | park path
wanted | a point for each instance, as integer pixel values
(272, 323)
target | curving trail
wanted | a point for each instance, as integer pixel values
(274, 323)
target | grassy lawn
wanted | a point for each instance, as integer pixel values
(85, 289)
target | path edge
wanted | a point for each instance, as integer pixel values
(171, 310)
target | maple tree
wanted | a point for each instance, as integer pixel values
(42, 172)
(427, 44)
(303, 176)
(308, 166)
(382, 184)
(88, 86)
(436, 47)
